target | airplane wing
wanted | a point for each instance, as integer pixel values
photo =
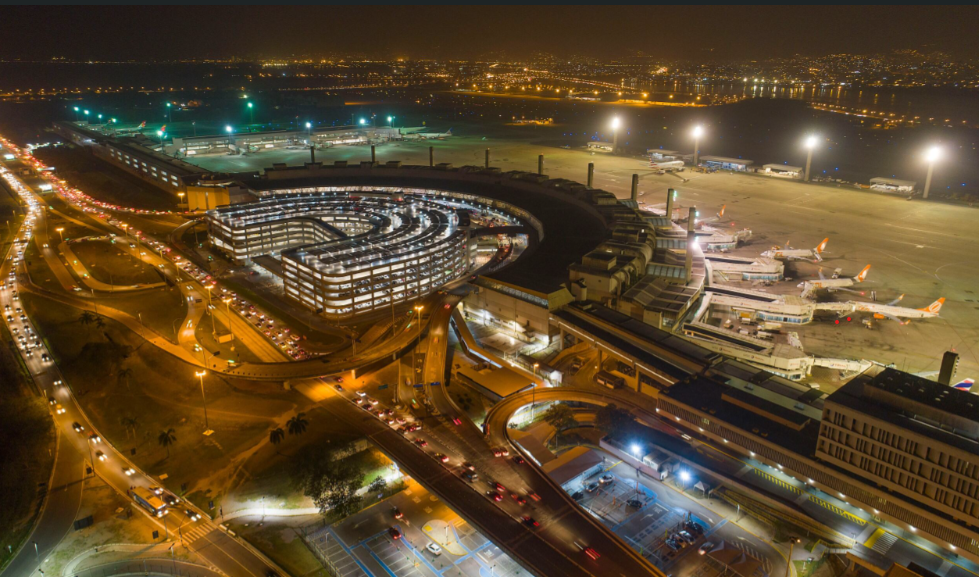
(806, 290)
(895, 301)
(894, 318)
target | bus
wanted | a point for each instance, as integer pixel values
(150, 502)
(609, 380)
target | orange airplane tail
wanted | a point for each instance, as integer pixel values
(863, 274)
(822, 245)
(934, 307)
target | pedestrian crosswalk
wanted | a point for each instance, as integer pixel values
(191, 534)
(881, 541)
(766, 563)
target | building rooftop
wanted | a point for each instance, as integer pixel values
(726, 159)
(928, 408)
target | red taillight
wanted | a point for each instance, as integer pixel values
(592, 553)
(837, 321)
(848, 319)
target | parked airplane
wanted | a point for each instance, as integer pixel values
(667, 165)
(895, 313)
(787, 253)
(429, 134)
(832, 284)
(964, 385)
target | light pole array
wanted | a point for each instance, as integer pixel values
(698, 131)
(615, 133)
(207, 427)
(227, 307)
(933, 154)
(810, 145)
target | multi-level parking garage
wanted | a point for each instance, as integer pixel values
(346, 251)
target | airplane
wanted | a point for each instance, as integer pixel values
(430, 134)
(832, 284)
(964, 385)
(813, 254)
(895, 313)
(667, 166)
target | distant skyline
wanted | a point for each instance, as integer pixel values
(417, 32)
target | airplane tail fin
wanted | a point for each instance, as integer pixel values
(934, 307)
(449, 131)
(721, 214)
(822, 245)
(863, 274)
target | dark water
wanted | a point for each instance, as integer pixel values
(768, 126)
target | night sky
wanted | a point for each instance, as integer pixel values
(692, 33)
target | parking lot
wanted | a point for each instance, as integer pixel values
(362, 545)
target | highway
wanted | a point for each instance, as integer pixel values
(547, 550)
(80, 443)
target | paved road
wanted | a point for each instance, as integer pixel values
(76, 432)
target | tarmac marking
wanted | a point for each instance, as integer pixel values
(845, 514)
(775, 480)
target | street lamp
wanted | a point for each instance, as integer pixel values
(698, 131)
(363, 121)
(309, 129)
(61, 231)
(251, 112)
(933, 154)
(200, 375)
(169, 113)
(810, 145)
(227, 306)
(76, 113)
(390, 122)
(181, 195)
(418, 319)
(615, 133)
(685, 478)
(214, 332)
(231, 134)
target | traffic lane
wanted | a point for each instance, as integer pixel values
(562, 507)
(535, 553)
(227, 554)
(63, 499)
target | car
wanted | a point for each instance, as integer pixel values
(156, 490)
(706, 548)
(447, 306)
(530, 521)
(592, 553)
(499, 487)
(52, 401)
(100, 456)
(533, 496)
(421, 442)
(77, 426)
(497, 453)
(441, 457)
(372, 401)
(578, 495)
(505, 451)
(170, 499)
(44, 356)
(520, 500)
(606, 479)
(494, 495)
(518, 460)
(634, 503)
(193, 516)
(413, 427)
(591, 487)
(686, 536)
(129, 471)
(471, 476)
(434, 549)
(456, 421)
(396, 513)
(95, 438)
(394, 532)
(338, 387)
(468, 466)
(340, 380)
(58, 409)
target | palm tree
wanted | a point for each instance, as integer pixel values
(297, 425)
(87, 318)
(126, 373)
(276, 435)
(130, 424)
(99, 323)
(167, 438)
